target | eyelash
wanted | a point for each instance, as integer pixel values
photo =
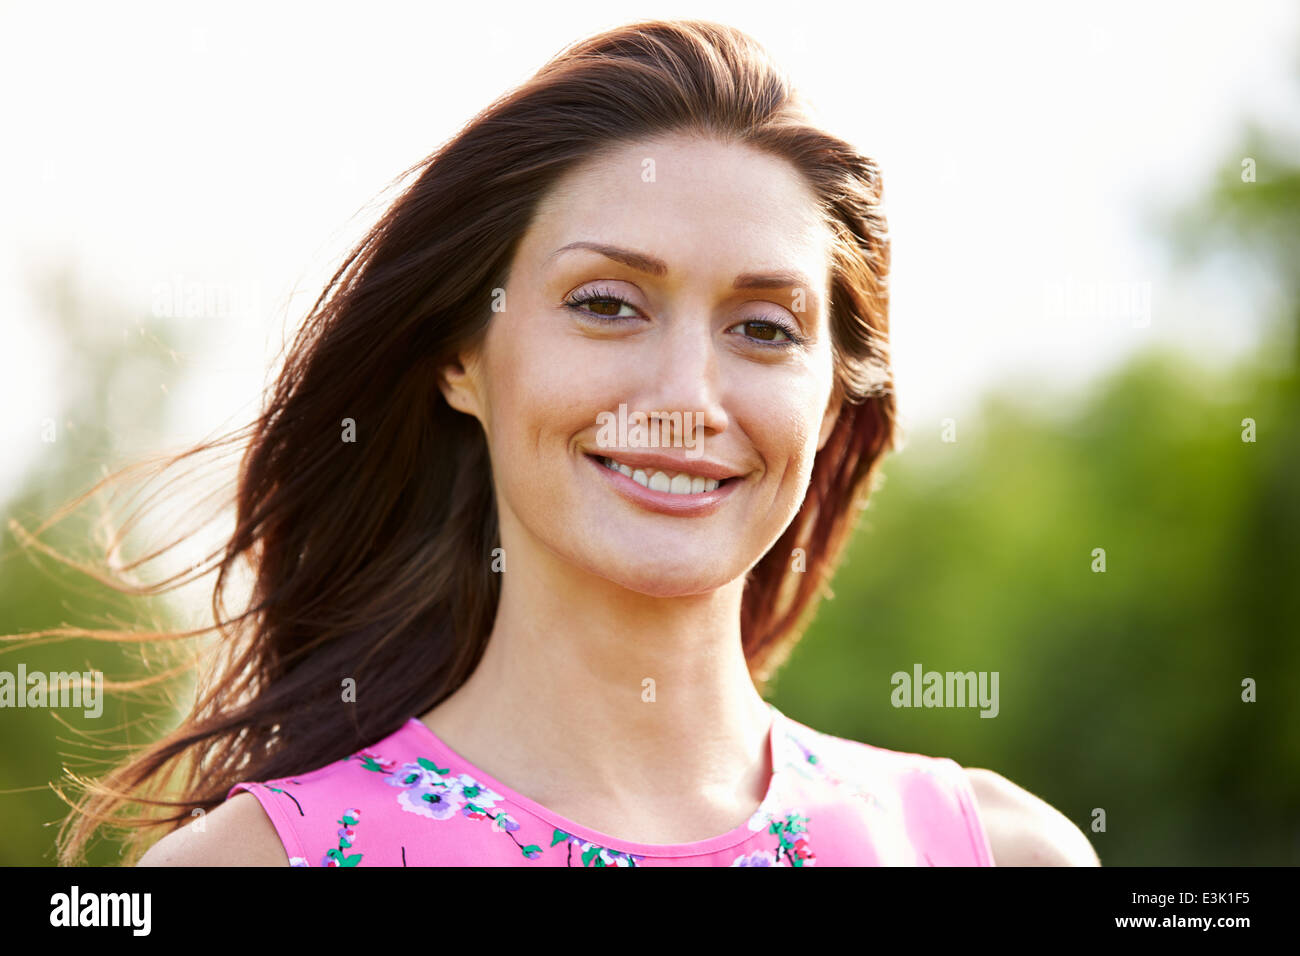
(606, 295)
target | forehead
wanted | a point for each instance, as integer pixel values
(700, 204)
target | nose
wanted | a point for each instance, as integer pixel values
(684, 375)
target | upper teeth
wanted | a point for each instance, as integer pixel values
(675, 484)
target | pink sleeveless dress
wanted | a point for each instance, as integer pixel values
(410, 800)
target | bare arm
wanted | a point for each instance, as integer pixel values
(1024, 830)
(237, 833)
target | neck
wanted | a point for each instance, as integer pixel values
(591, 695)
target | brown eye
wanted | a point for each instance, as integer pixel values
(600, 304)
(763, 331)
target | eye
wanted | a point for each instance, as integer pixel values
(605, 304)
(601, 303)
(770, 333)
(764, 331)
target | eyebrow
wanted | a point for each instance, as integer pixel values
(780, 279)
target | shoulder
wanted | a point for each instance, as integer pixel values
(914, 809)
(300, 819)
(237, 833)
(1024, 830)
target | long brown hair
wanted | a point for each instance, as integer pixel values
(371, 559)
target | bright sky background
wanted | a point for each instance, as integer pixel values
(243, 145)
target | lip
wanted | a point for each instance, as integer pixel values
(663, 502)
(661, 462)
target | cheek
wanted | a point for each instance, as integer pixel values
(783, 422)
(524, 374)
(541, 394)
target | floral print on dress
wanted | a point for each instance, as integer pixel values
(852, 787)
(434, 792)
(792, 848)
(338, 856)
(757, 858)
(289, 795)
(593, 855)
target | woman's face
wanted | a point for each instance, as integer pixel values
(659, 322)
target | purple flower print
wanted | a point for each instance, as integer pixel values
(435, 802)
(422, 773)
(438, 794)
(757, 858)
(469, 790)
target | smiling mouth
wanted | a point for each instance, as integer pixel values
(668, 482)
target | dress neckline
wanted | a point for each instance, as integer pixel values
(755, 824)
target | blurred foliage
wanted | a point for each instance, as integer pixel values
(1118, 690)
(113, 369)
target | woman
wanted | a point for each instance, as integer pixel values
(552, 478)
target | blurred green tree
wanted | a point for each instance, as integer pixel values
(114, 371)
(1119, 690)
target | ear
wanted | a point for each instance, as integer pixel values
(459, 384)
(830, 417)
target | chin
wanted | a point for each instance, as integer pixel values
(675, 575)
